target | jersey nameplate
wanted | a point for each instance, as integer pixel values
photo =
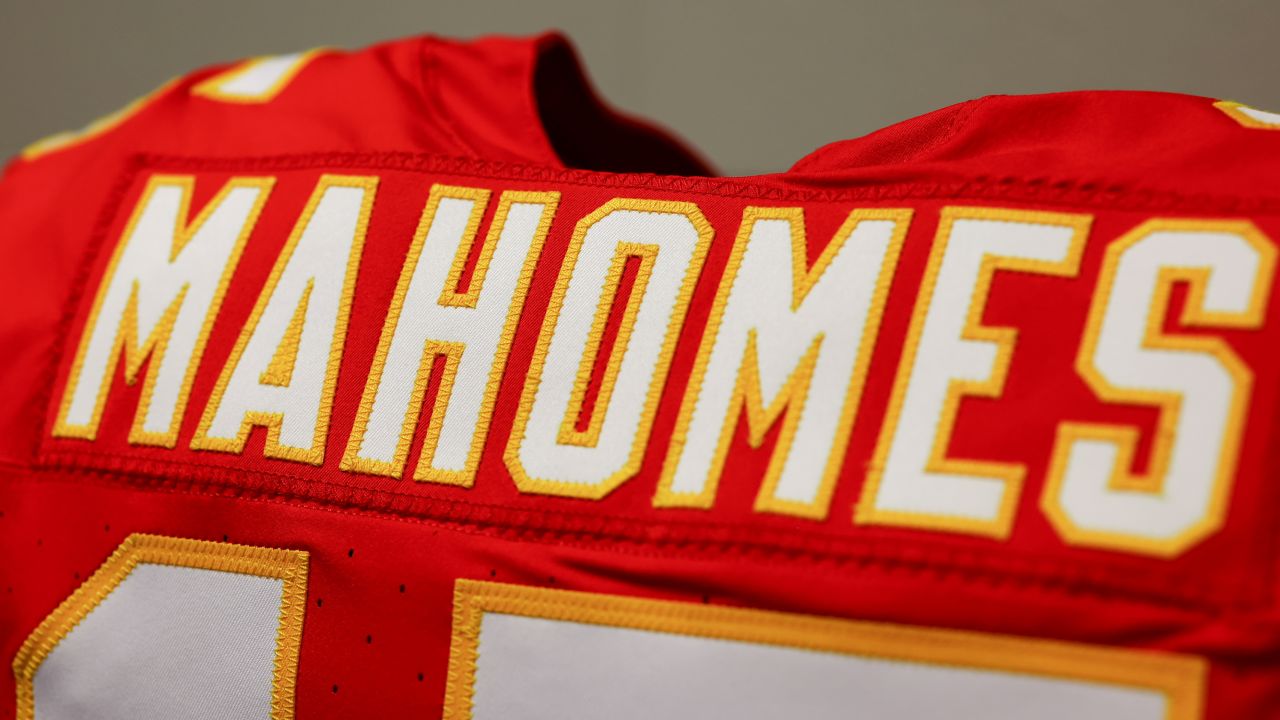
(935, 365)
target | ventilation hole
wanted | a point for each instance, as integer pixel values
(551, 579)
(419, 677)
(75, 575)
(225, 537)
(319, 602)
(351, 552)
(401, 587)
(706, 599)
(106, 528)
(335, 689)
(368, 639)
(493, 573)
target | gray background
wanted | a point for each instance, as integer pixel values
(756, 85)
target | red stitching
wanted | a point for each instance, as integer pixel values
(718, 539)
(1060, 191)
(41, 400)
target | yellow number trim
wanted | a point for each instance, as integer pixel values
(155, 344)
(213, 87)
(1179, 678)
(522, 479)
(1238, 112)
(1169, 403)
(747, 394)
(569, 435)
(1012, 474)
(272, 421)
(289, 566)
(97, 128)
(351, 461)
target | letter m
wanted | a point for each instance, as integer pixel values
(156, 304)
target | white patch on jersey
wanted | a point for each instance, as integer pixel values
(168, 642)
(536, 669)
(256, 80)
(1250, 117)
(1262, 116)
(521, 653)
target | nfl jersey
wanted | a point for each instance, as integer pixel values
(416, 382)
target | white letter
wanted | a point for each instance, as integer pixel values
(948, 354)
(473, 330)
(548, 452)
(1200, 385)
(784, 336)
(283, 369)
(158, 299)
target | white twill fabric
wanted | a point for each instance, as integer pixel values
(539, 669)
(168, 643)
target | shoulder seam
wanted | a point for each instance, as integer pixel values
(427, 84)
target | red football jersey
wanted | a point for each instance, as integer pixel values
(417, 382)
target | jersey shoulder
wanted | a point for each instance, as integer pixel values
(395, 96)
(1119, 138)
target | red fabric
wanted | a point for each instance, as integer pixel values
(426, 111)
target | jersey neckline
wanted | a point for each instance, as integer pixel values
(530, 100)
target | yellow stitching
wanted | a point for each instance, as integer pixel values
(1236, 111)
(512, 454)
(351, 461)
(288, 566)
(748, 396)
(155, 345)
(212, 87)
(1126, 438)
(272, 421)
(648, 255)
(1012, 474)
(449, 295)
(550, 201)
(1180, 679)
(279, 371)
